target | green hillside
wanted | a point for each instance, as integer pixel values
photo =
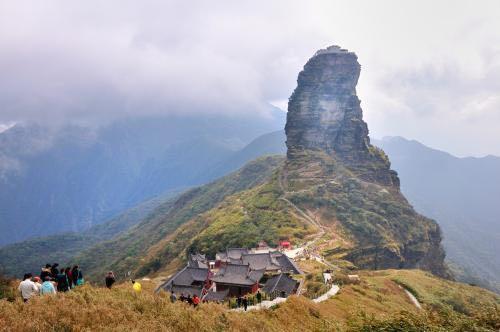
(130, 251)
(30, 255)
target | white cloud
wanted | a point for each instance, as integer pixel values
(423, 63)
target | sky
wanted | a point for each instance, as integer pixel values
(430, 69)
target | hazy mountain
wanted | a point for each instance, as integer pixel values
(69, 178)
(462, 194)
(334, 191)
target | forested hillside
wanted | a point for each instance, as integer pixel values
(71, 177)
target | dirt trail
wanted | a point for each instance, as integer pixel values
(310, 246)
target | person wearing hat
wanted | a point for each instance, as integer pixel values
(38, 283)
(47, 287)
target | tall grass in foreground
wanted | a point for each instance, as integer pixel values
(98, 309)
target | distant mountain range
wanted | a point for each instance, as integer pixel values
(54, 180)
(463, 195)
(460, 193)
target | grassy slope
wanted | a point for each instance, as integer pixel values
(383, 229)
(365, 223)
(129, 251)
(17, 259)
(376, 304)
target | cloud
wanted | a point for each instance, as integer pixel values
(422, 62)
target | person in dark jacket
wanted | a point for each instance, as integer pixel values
(76, 274)
(245, 302)
(110, 279)
(67, 271)
(259, 296)
(46, 272)
(62, 282)
(54, 270)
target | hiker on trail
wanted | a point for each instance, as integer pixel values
(238, 301)
(110, 279)
(46, 272)
(136, 286)
(189, 299)
(27, 288)
(69, 275)
(245, 302)
(54, 270)
(173, 297)
(183, 298)
(47, 287)
(196, 300)
(62, 282)
(77, 276)
(259, 296)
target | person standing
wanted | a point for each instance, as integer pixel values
(136, 286)
(46, 272)
(47, 287)
(238, 301)
(110, 279)
(68, 273)
(54, 270)
(245, 302)
(38, 283)
(173, 297)
(27, 288)
(62, 281)
(196, 300)
(77, 276)
(259, 296)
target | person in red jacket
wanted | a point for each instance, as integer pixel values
(196, 300)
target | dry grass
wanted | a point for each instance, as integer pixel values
(99, 309)
(376, 304)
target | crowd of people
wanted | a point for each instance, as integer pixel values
(51, 280)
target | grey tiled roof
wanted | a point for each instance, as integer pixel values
(238, 274)
(287, 264)
(261, 261)
(186, 277)
(280, 283)
(231, 254)
(197, 260)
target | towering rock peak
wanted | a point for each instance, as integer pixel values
(324, 114)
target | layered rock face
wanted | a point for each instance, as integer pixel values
(333, 172)
(324, 114)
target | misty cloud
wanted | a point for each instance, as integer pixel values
(430, 70)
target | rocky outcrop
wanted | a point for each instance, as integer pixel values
(324, 113)
(332, 168)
